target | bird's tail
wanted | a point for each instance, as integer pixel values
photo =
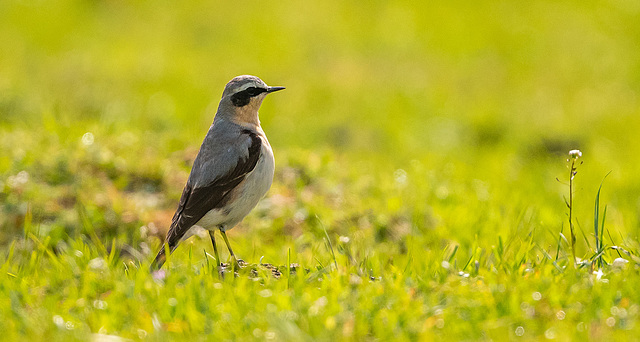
(161, 257)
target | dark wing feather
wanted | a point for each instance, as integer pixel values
(196, 202)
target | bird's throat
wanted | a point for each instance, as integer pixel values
(247, 114)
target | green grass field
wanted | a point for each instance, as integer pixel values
(421, 170)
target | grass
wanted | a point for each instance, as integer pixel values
(417, 150)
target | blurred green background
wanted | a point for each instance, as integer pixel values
(442, 120)
(427, 140)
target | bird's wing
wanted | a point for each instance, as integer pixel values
(196, 201)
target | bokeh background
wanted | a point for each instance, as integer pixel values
(428, 123)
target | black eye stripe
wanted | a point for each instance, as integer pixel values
(242, 98)
(252, 91)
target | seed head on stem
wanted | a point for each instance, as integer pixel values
(574, 155)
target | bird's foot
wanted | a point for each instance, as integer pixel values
(236, 263)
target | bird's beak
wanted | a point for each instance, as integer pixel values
(273, 89)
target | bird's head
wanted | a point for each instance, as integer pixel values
(243, 96)
(246, 90)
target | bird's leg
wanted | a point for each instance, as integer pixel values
(233, 257)
(215, 247)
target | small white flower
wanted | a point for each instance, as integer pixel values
(550, 334)
(58, 320)
(400, 177)
(98, 264)
(620, 262)
(142, 334)
(575, 154)
(266, 293)
(99, 304)
(88, 139)
(611, 322)
(18, 180)
(598, 274)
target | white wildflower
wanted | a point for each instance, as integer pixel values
(575, 154)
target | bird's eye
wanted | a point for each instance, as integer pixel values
(242, 98)
(253, 91)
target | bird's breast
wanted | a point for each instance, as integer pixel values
(245, 196)
(258, 181)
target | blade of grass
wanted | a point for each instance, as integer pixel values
(548, 256)
(88, 227)
(112, 253)
(560, 236)
(409, 262)
(28, 219)
(328, 242)
(613, 243)
(453, 254)
(289, 269)
(43, 248)
(599, 234)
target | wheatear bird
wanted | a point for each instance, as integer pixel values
(233, 169)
